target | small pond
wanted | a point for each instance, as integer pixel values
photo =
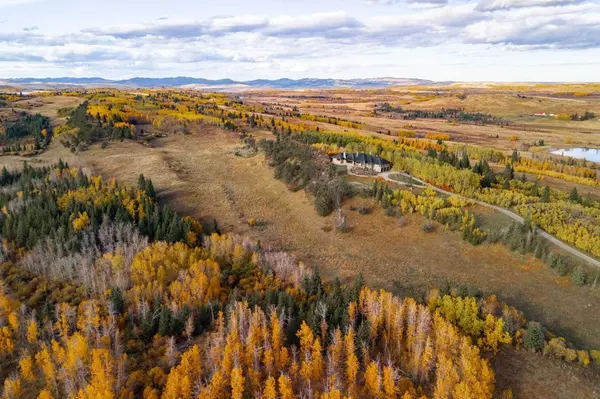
(590, 154)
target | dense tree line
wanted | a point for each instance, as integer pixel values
(63, 202)
(586, 116)
(27, 125)
(451, 158)
(302, 167)
(82, 128)
(459, 115)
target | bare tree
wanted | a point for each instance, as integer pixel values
(51, 257)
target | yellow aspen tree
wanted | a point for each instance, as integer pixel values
(351, 370)
(284, 358)
(427, 360)
(216, 387)
(275, 336)
(269, 361)
(45, 363)
(76, 353)
(81, 221)
(306, 370)
(332, 394)
(446, 377)
(306, 337)
(462, 390)
(101, 383)
(63, 324)
(389, 383)
(237, 383)
(7, 344)
(285, 387)
(45, 394)
(191, 363)
(270, 391)
(173, 387)
(351, 359)
(32, 331)
(26, 367)
(150, 393)
(373, 379)
(185, 387)
(493, 334)
(12, 388)
(13, 322)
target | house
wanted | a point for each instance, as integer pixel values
(362, 160)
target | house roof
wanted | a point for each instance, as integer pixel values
(361, 157)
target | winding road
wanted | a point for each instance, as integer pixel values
(561, 244)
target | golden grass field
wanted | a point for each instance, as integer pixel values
(516, 104)
(201, 177)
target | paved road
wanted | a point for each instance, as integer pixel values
(518, 218)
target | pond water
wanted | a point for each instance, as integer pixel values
(590, 154)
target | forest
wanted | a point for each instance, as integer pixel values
(83, 128)
(26, 131)
(458, 115)
(131, 300)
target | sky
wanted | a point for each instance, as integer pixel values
(440, 40)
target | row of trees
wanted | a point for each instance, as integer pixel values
(302, 167)
(459, 115)
(82, 129)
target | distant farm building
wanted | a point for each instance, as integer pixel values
(362, 160)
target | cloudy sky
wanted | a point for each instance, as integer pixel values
(466, 40)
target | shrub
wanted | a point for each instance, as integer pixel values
(578, 276)
(437, 136)
(390, 211)
(563, 268)
(364, 209)
(406, 133)
(340, 221)
(428, 227)
(252, 222)
(595, 355)
(583, 358)
(324, 202)
(534, 337)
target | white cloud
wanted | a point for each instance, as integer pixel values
(495, 5)
(569, 27)
(312, 43)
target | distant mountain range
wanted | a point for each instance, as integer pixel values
(220, 84)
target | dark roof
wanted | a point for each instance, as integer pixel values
(361, 157)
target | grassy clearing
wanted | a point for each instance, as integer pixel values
(531, 376)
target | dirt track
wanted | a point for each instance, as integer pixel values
(512, 215)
